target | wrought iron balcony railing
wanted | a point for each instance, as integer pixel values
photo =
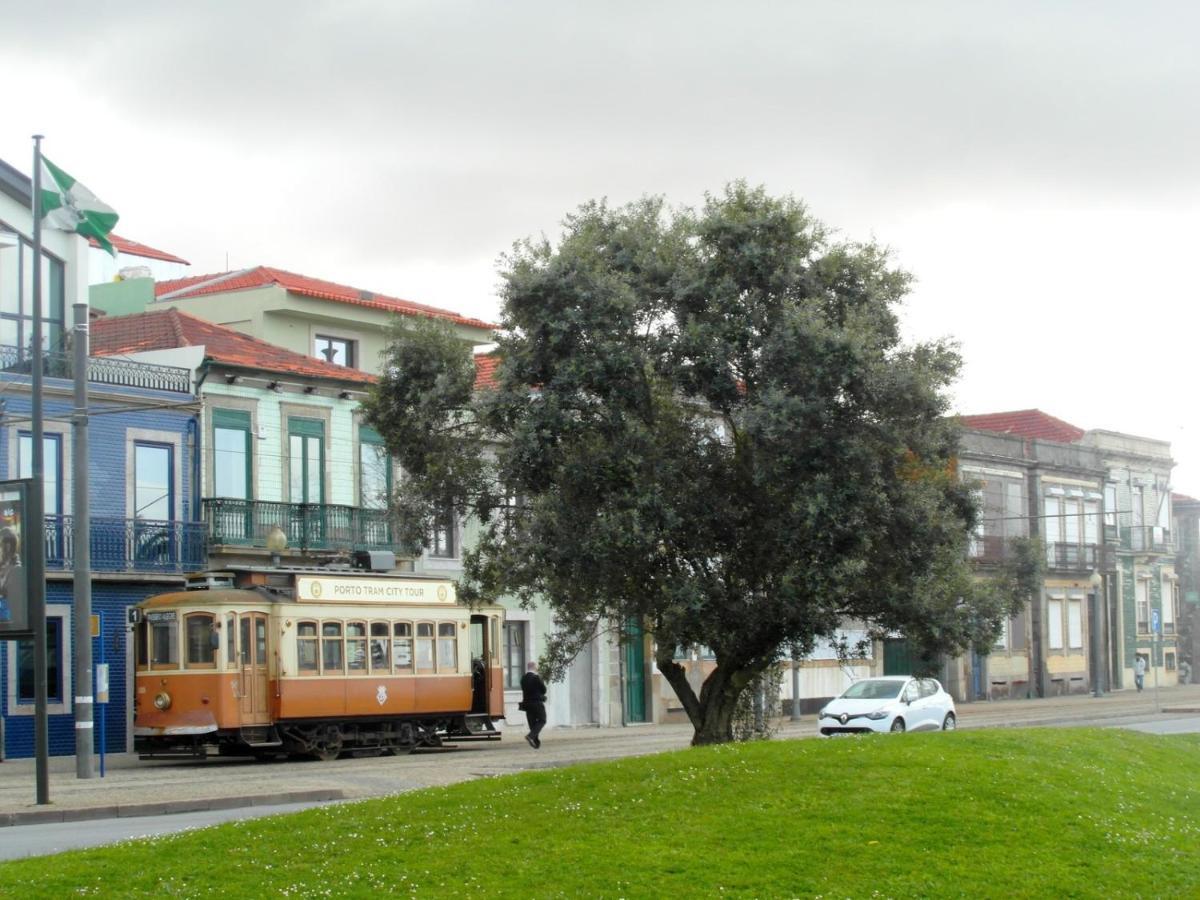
(1081, 557)
(101, 370)
(308, 526)
(129, 545)
(1146, 539)
(989, 548)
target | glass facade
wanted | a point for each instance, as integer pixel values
(16, 294)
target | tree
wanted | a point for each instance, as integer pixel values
(704, 422)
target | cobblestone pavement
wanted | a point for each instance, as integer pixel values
(132, 787)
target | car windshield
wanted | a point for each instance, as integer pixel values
(873, 690)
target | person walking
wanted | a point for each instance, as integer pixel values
(533, 701)
(1139, 672)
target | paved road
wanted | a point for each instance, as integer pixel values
(43, 840)
(1172, 725)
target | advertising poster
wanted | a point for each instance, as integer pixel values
(14, 594)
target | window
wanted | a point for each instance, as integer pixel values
(402, 648)
(1091, 522)
(306, 647)
(1002, 639)
(424, 647)
(1054, 623)
(442, 543)
(55, 664)
(1110, 505)
(306, 460)
(163, 629)
(331, 648)
(447, 647)
(375, 470)
(1075, 623)
(231, 454)
(334, 349)
(1168, 607)
(1169, 659)
(379, 647)
(514, 653)
(1142, 605)
(356, 647)
(16, 294)
(153, 491)
(200, 631)
(230, 640)
(52, 466)
(1016, 632)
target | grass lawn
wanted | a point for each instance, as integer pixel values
(1007, 813)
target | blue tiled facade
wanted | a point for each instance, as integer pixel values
(127, 579)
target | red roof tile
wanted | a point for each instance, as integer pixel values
(1026, 423)
(133, 248)
(265, 276)
(485, 370)
(165, 329)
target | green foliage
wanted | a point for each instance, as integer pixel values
(1012, 813)
(706, 422)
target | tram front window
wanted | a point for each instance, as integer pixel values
(164, 640)
(201, 651)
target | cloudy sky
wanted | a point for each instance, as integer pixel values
(1033, 164)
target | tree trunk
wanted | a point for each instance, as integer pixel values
(711, 714)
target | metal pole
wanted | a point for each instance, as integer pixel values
(1094, 622)
(84, 701)
(37, 520)
(795, 683)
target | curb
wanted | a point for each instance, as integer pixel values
(170, 807)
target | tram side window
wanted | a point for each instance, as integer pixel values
(379, 647)
(447, 647)
(201, 654)
(356, 646)
(306, 647)
(230, 640)
(402, 647)
(331, 648)
(424, 647)
(164, 643)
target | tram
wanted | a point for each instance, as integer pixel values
(313, 663)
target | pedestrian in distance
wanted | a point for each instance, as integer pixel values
(533, 701)
(1139, 672)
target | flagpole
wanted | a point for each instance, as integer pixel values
(36, 542)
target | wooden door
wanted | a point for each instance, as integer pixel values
(252, 641)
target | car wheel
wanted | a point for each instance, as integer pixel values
(949, 723)
(898, 726)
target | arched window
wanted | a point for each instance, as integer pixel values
(306, 648)
(201, 648)
(379, 647)
(356, 647)
(425, 648)
(402, 648)
(332, 651)
(447, 647)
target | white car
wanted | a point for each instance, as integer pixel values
(891, 703)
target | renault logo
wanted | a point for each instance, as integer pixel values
(843, 718)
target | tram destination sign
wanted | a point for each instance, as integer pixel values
(14, 576)
(374, 590)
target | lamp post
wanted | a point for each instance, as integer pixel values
(1096, 583)
(277, 542)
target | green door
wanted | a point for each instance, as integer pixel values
(306, 482)
(896, 657)
(635, 673)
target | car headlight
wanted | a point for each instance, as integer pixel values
(824, 715)
(878, 714)
(162, 700)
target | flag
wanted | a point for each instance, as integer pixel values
(68, 205)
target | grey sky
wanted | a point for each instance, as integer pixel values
(1033, 164)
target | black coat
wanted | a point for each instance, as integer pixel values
(533, 689)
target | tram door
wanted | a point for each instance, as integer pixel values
(252, 643)
(481, 670)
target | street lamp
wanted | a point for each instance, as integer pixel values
(1096, 583)
(276, 543)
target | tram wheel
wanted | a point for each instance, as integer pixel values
(327, 744)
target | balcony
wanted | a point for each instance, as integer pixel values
(101, 370)
(129, 545)
(989, 549)
(1146, 539)
(1076, 557)
(308, 526)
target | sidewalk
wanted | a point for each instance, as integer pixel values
(132, 787)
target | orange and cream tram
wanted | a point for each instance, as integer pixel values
(312, 662)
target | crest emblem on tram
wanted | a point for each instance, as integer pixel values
(441, 593)
(381, 695)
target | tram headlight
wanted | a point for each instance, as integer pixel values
(162, 700)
